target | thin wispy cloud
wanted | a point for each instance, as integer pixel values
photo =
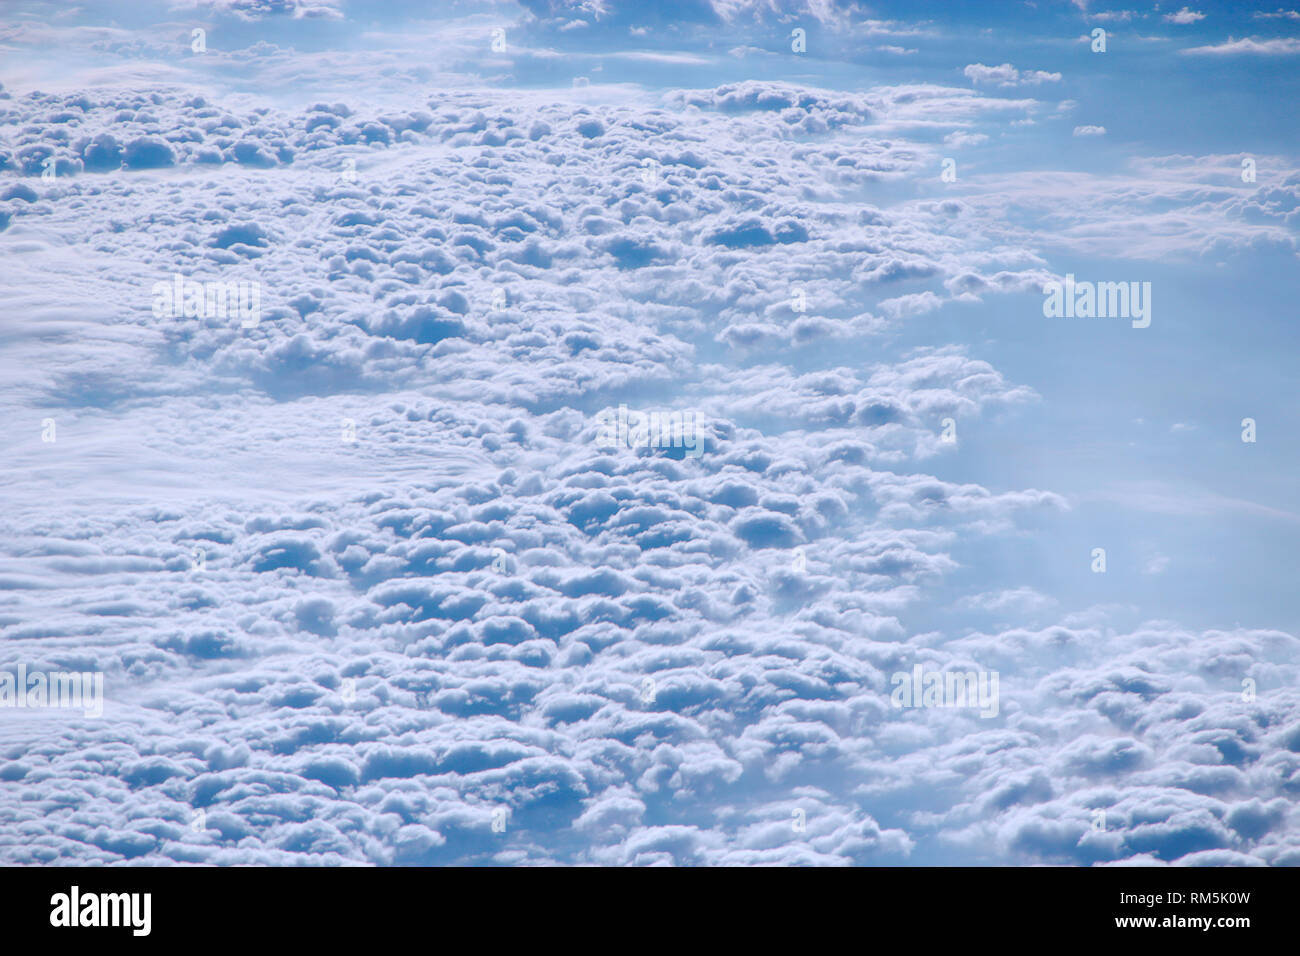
(1249, 46)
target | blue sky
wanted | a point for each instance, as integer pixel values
(429, 595)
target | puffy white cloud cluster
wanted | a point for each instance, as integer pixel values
(473, 607)
(1007, 75)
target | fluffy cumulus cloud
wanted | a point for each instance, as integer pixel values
(1184, 16)
(1007, 75)
(369, 581)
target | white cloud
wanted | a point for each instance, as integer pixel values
(960, 138)
(1278, 46)
(1184, 16)
(1017, 601)
(456, 611)
(1007, 75)
(1090, 131)
(1156, 564)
